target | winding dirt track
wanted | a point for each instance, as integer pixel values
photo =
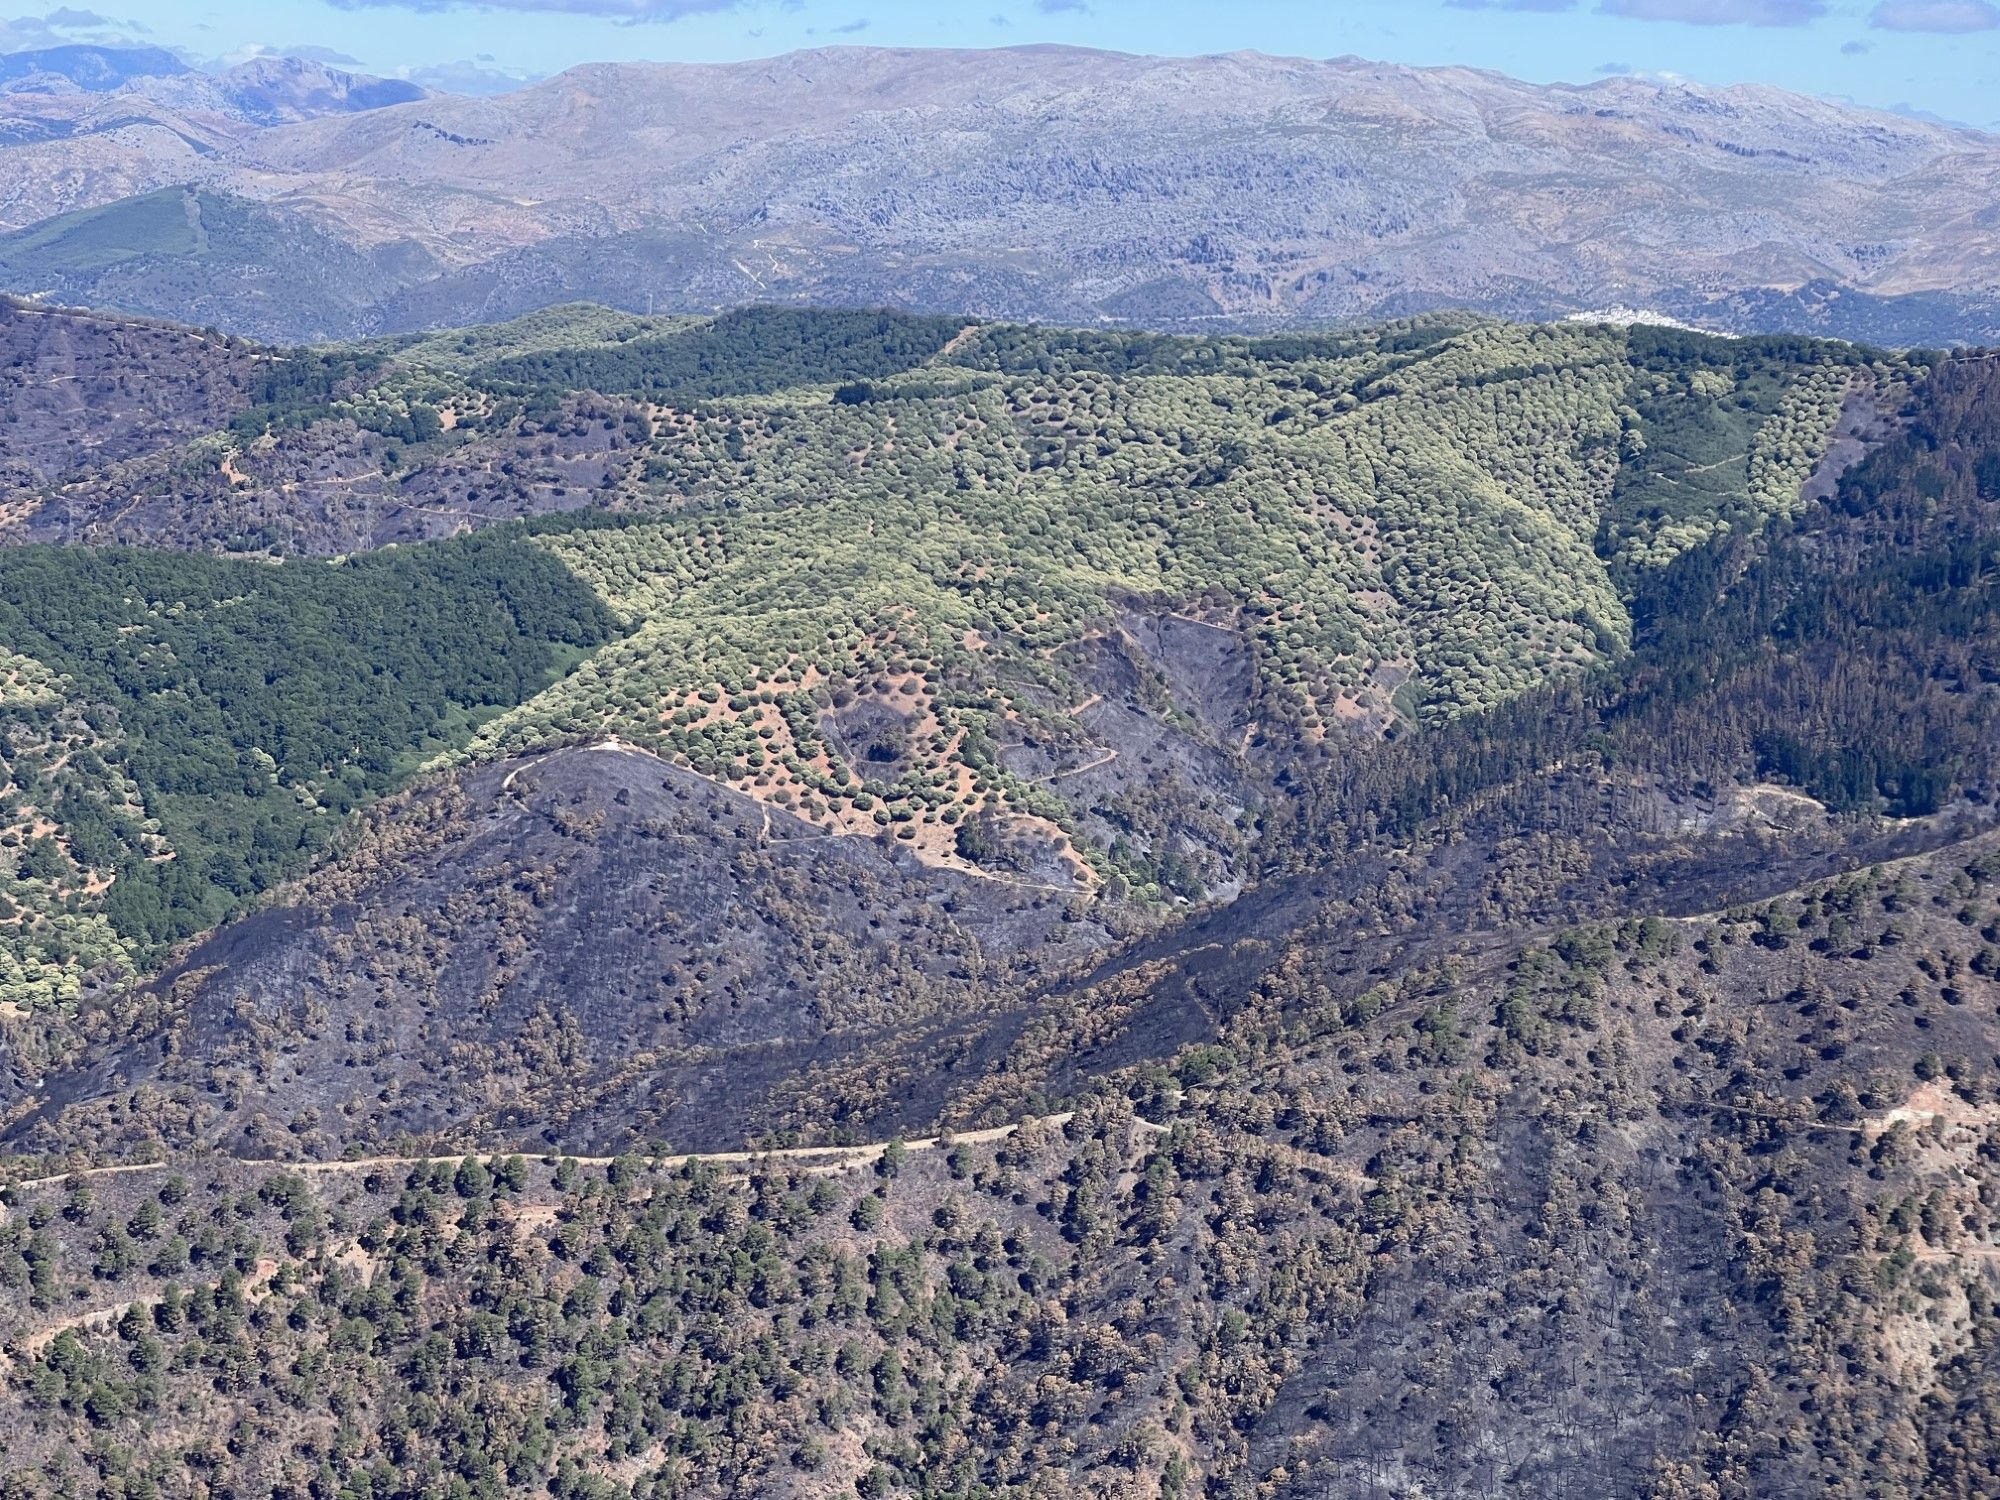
(816, 1161)
(822, 1159)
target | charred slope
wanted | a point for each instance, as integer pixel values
(1642, 1209)
(336, 487)
(1787, 691)
(1784, 694)
(1647, 1196)
(1598, 1096)
(590, 948)
(85, 389)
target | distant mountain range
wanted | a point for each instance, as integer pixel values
(262, 91)
(84, 68)
(287, 200)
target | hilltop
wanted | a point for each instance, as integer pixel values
(1049, 607)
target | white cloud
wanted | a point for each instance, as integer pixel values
(480, 76)
(66, 26)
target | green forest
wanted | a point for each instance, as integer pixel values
(811, 519)
(206, 726)
(753, 351)
(877, 515)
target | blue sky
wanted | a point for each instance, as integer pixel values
(1935, 56)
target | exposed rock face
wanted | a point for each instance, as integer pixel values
(84, 127)
(1014, 183)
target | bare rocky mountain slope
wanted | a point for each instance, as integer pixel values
(82, 126)
(1046, 183)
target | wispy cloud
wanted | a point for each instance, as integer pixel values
(333, 57)
(1688, 12)
(1936, 15)
(480, 75)
(63, 26)
(1719, 12)
(306, 52)
(632, 11)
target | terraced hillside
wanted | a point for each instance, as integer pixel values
(1039, 607)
